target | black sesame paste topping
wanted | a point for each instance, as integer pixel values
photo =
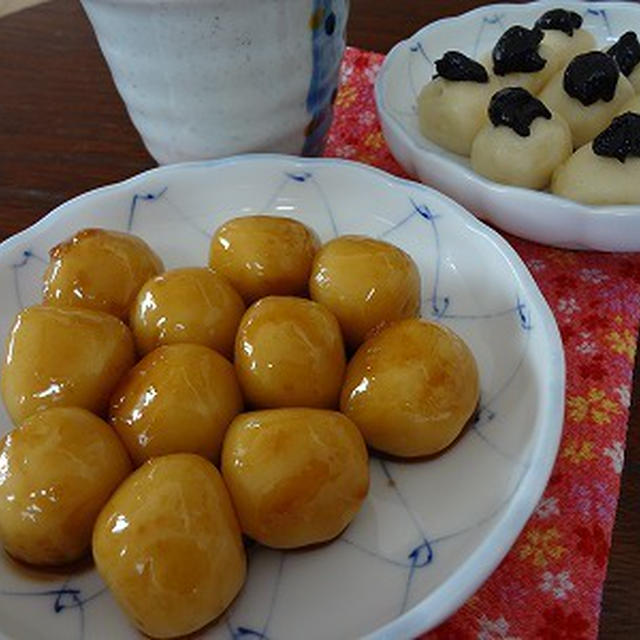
(560, 20)
(517, 50)
(458, 67)
(626, 52)
(516, 108)
(621, 138)
(591, 77)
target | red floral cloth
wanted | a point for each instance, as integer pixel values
(550, 584)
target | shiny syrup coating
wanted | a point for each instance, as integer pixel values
(296, 476)
(366, 283)
(99, 269)
(179, 398)
(626, 52)
(559, 20)
(66, 357)
(411, 388)
(192, 304)
(590, 77)
(57, 470)
(289, 353)
(517, 50)
(516, 108)
(621, 139)
(457, 67)
(264, 255)
(168, 545)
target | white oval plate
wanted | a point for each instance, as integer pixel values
(534, 215)
(430, 532)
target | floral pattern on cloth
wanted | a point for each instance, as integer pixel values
(550, 584)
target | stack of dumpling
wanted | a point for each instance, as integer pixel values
(128, 387)
(541, 94)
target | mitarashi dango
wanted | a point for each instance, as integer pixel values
(411, 389)
(99, 269)
(296, 476)
(365, 283)
(169, 547)
(58, 469)
(63, 356)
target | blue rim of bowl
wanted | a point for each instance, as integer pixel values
(466, 579)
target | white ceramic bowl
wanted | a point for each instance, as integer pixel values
(533, 215)
(430, 532)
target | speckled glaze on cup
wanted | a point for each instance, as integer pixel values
(209, 78)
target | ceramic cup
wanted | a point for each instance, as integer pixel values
(209, 78)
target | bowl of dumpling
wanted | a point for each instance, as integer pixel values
(249, 389)
(528, 115)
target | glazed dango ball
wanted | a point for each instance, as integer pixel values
(411, 388)
(264, 255)
(365, 283)
(179, 398)
(194, 305)
(64, 357)
(99, 269)
(169, 547)
(290, 353)
(57, 471)
(296, 476)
